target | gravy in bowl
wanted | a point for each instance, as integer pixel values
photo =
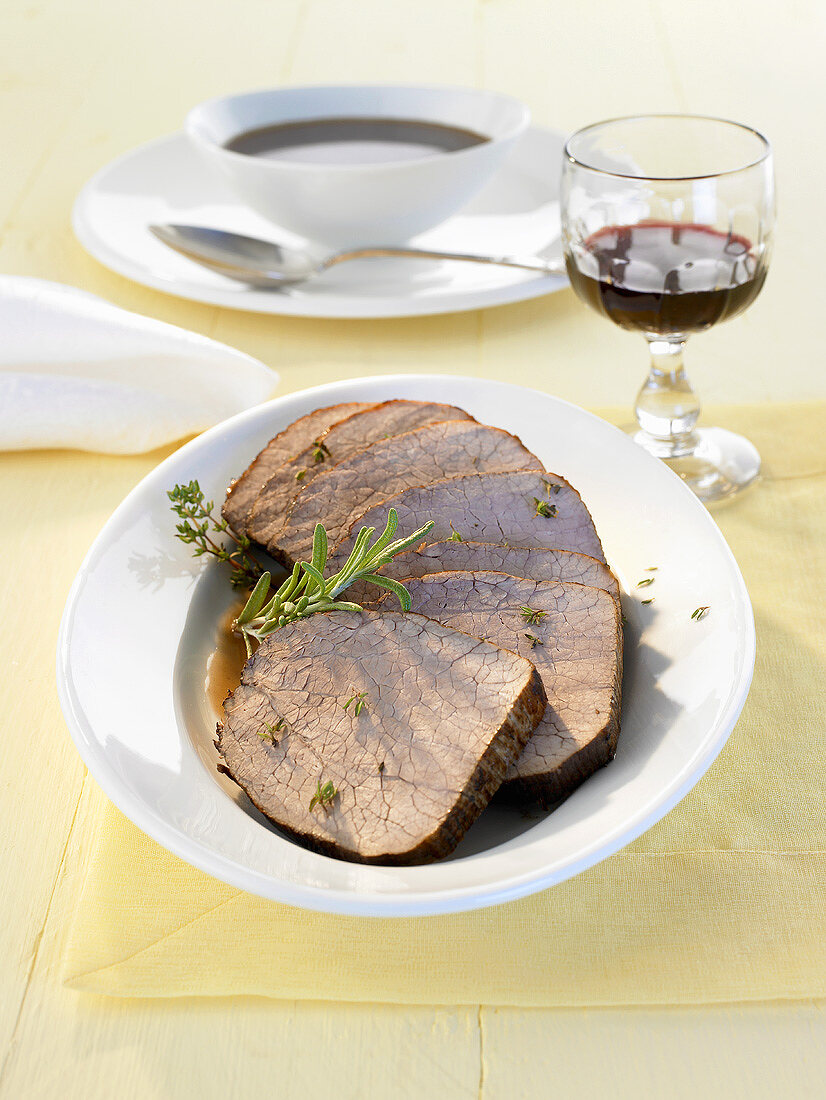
(353, 140)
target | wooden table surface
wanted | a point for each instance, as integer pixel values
(86, 80)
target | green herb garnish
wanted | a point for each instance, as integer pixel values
(645, 583)
(532, 638)
(307, 590)
(455, 537)
(531, 616)
(360, 699)
(320, 451)
(543, 508)
(700, 613)
(198, 526)
(324, 795)
(300, 475)
(645, 603)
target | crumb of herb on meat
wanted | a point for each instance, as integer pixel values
(532, 616)
(324, 795)
(360, 700)
(543, 508)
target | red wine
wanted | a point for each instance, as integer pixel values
(665, 278)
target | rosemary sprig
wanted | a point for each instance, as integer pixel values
(324, 795)
(198, 526)
(531, 616)
(360, 699)
(307, 590)
(700, 613)
(532, 638)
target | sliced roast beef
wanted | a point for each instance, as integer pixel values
(537, 562)
(435, 719)
(427, 454)
(516, 509)
(298, 435)
(344, 438)
(572, 634)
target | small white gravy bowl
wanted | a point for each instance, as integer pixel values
(349, 204)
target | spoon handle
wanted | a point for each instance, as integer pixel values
(528, 263)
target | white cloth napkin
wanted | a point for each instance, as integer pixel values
(78, 372)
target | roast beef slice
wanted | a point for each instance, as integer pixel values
(295, 437)
(419, 457)
(538, 563)
(575, 642)
(344, 438)
(505, 508)
(444, 715)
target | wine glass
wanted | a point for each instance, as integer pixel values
(666, 227)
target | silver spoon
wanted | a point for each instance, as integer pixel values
(267, 264)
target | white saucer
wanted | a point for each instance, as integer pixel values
(518, 212)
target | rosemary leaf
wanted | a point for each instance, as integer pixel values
(645, 583)
(391, 586)
(700, 613)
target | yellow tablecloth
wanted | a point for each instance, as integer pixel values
(722, 901)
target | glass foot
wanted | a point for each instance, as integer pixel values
(720, 465)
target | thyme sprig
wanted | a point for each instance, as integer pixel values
(307, 590)
(200, 528)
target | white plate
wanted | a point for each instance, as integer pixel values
(138, 625)
(518, 212)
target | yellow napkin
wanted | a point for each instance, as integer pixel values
(723, 900)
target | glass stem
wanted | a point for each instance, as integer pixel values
(667, 407)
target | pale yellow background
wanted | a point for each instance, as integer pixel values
(84, 80)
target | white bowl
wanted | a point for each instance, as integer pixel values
(132, 685)
(344, 205)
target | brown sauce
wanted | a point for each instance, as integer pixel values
(353, 140)
(225, 662)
